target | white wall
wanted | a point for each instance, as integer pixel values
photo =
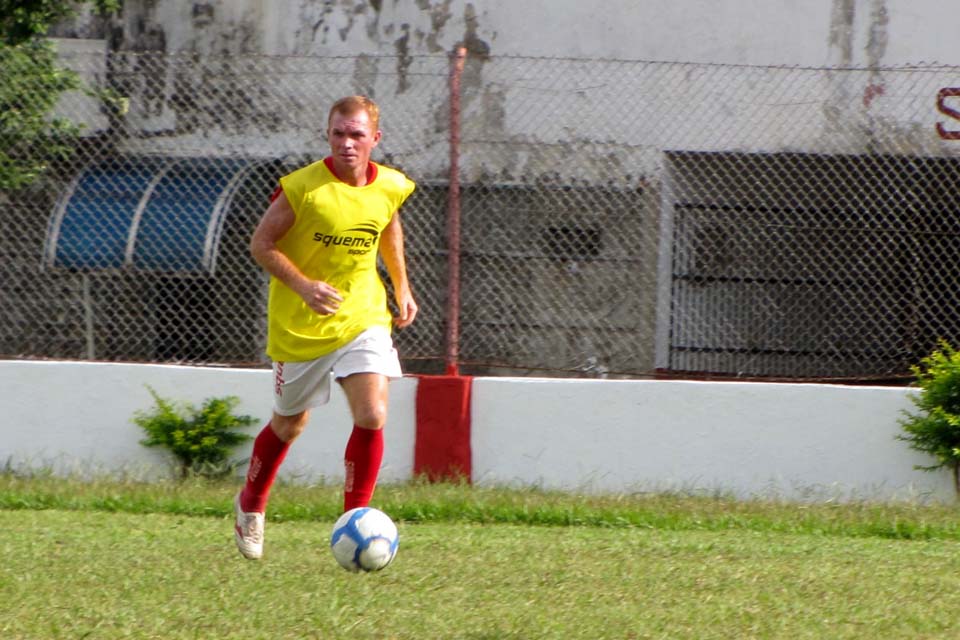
(76, 417)
(788, 32)
(784, 440)
(787, 440)
(801, 108)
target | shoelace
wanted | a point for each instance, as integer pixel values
(251, 529)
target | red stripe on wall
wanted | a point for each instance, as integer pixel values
(442, 449)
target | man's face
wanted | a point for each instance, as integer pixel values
(352, 138)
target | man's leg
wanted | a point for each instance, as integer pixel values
(367, 396)
(269, 450)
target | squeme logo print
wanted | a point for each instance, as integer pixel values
(358, 240)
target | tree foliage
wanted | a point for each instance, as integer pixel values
(23, 20)
(31, 136)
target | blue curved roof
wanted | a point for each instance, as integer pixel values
(150, 214)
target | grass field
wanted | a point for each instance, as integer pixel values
(114, 559)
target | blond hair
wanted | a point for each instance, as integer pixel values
(352, 104)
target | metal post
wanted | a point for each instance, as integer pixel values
(88, 322)
(453, 218)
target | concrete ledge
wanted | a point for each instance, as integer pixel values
(790, 441)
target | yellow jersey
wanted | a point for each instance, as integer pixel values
(336, 238)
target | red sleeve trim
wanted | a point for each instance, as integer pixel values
(329, 162)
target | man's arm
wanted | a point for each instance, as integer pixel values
(274, 225)
(391, 250)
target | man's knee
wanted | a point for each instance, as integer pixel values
(288, 428)
(371, 415)
(367, 396)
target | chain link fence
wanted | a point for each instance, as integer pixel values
(619, 219)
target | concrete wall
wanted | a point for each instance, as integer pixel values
(76, 417)
(788, 440)
(790, 32)
(177, 106)
(749, 439)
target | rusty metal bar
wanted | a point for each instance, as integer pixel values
(452, 337)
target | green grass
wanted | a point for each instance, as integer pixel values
(115, 559)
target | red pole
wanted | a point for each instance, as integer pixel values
(453, 219)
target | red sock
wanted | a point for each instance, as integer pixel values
(362, 464)
(268, 454)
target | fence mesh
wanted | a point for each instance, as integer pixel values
(619, 218)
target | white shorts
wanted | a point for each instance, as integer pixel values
(298, 386)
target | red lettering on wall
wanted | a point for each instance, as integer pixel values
(950, 112)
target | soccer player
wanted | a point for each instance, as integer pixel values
(327, 316)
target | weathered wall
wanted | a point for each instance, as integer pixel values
(253, 79)
(221, 92)
(810, 32)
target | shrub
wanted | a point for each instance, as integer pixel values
(200, 440)
(935, 428)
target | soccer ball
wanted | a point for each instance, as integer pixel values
(364, 539)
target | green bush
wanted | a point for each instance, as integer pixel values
(935, 428)
(200, 440)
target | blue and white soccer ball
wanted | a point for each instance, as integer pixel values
(364, 539)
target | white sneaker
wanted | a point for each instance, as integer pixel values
(248, 531)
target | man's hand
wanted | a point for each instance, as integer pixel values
(321, 297)
(407, 308)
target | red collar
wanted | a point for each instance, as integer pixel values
(371, 169)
